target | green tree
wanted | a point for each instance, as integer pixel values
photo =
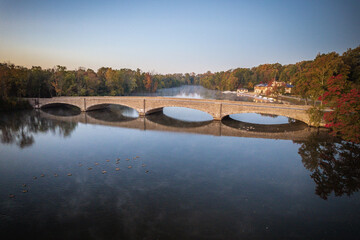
(322, 68)
(114, 82)
(352, 58)
(301, 80)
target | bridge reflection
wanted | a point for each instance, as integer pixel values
(296, 131)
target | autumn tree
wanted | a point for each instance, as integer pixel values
(344, 99)
(275, 88)
(148, 82)
(92, 83)
(288, 73)
(57, 79)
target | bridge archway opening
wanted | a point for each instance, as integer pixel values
(164, 120)
(61, 109)
(290, 126)
(187, 114)
(113, 112)
(261, 118)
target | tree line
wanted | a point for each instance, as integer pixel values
(308, 77)
(17, 81)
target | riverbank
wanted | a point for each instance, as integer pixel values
(12, 104)
(285, 99)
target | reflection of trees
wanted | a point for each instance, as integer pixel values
(334, 165)
(18, 127)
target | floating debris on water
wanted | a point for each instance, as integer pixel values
(11, 195)
(117, 162)
(96, 163)
(107, 160)
(137, 157)
(34, 178)
(129, 167)
(103, 172)
(55, 175)
(117, 169)
(80, 165)
(127, 159)
(143, 165)
(69, 174)
(24, 185)
(146, 171)
(25, 191)
(118, 159)
(42, 175)
(89, 168)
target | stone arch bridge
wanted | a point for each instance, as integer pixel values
(218, 109)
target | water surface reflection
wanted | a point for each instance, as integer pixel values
(19, 127)
(334, 165)
(182, 186)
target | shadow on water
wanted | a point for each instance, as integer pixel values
(334, 165)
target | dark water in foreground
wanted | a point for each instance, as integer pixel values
(188, 182)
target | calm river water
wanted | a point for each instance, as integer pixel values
(108, 174)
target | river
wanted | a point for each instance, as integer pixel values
(109, 174)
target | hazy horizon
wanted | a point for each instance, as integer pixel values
(174, 37)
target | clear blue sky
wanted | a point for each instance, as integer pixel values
(174, 36)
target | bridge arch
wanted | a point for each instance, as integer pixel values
(102, 105)
(293, 116)
(164, 120)
(158, 109)
(54, 104)
(105, 105)
(297, 113)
